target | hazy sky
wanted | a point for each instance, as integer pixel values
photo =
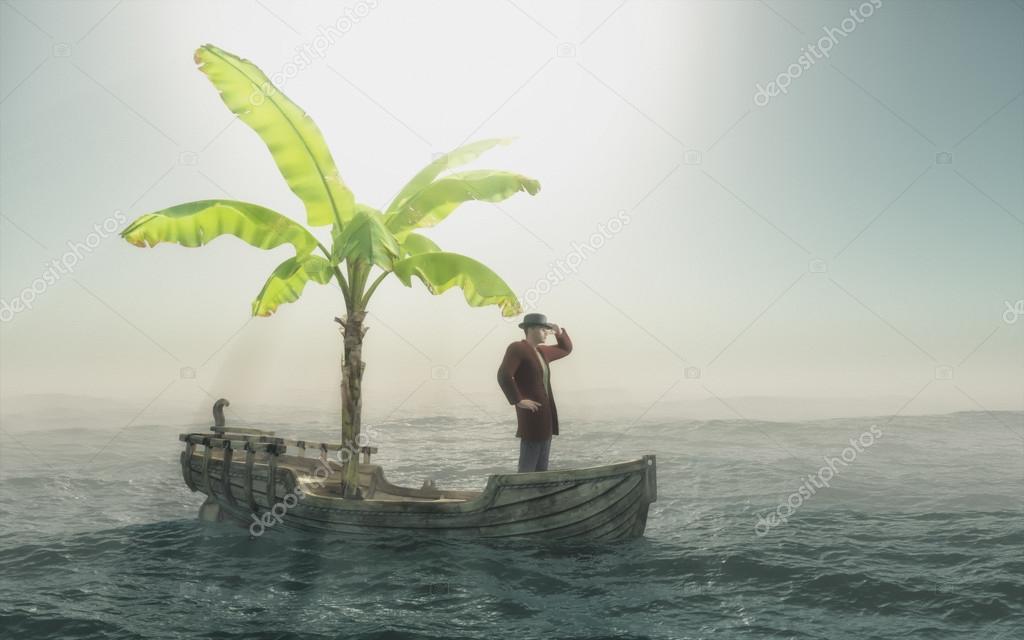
(856, 238)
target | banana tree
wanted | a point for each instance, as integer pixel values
(363, 239)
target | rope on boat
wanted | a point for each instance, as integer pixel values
(272, 479)
(186, 465)
(250, 462)
(207, 456)
(225, 472)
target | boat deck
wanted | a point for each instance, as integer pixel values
(371, 480)
(334, 490)
(375, 487)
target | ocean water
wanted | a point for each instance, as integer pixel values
(919, 534)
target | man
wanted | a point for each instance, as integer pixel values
(524, 378)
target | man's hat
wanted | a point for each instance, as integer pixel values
(536, 319)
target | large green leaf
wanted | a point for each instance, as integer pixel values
(292, 137)
(441, 270)
(194, 224)
(434, 203)
(415, 244)
(365, 237)
(456, 158)
(288, 280)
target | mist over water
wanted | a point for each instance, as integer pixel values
(920, 536)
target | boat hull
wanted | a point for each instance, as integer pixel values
(604, 503)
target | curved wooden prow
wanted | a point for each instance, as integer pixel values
(218, 411)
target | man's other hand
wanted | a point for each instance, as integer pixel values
(555, 328)
(529, 405)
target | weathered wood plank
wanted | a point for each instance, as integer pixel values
(560, 520)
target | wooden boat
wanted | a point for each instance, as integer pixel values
(271, 482)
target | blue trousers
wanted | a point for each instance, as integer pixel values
(533, 455)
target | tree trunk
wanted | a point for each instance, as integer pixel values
(352, 367)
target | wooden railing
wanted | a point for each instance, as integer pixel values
(252, 441)
(241, 438)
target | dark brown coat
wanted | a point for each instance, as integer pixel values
(520, 377)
